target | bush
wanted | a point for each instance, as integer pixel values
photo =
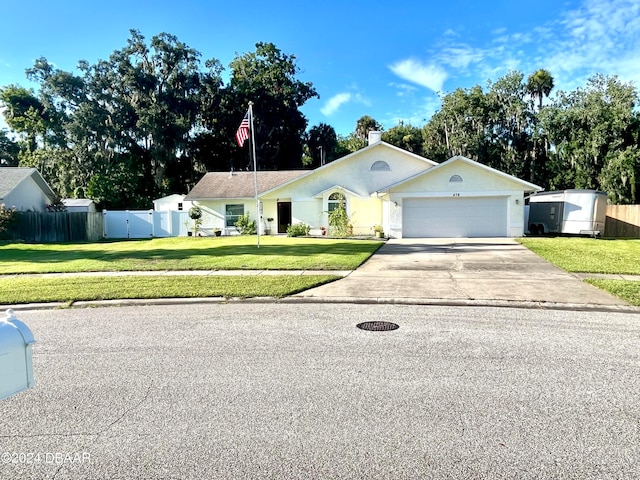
(298, 230)
(339, 223)
(246, 226)
(7, 217)
(195, 214)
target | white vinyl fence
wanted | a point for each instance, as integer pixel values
(145, 223)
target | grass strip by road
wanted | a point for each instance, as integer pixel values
(588, 255)
(626, 290)
(187, 253)
(20, 290)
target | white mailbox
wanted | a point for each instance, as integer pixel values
(16, 369)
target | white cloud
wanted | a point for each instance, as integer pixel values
(460, 56)
(431, 76)
(334, 103)
(403, 89)
(598, 37)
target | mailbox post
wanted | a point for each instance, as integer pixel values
(16, 369)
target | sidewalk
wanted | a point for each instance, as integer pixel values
(173, 273)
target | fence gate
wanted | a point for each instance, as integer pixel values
(144, 223)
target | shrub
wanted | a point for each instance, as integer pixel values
(245, 226)
(339, 223)
(57, 206)
(7, 217)
(195, 214)
(298, 230)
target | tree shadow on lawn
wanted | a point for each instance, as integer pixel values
(60, 255)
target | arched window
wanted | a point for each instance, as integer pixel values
(336, 199)
(380, 166)
(455, 178)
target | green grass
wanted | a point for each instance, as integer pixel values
(187, 253)
(17, 290)
(588, 255)
(626, 290)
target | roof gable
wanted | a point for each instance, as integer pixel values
(354, 171)
(375, 146)
(12, 177)
(449, 164)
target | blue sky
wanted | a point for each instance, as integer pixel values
(389, 60)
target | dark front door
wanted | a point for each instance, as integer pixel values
(284, 216)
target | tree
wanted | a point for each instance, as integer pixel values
(9, 150)
(25, 114)
(321, 142)
(348, 144)
(366, 124)
(590, 126)
(539, 85)
(461, 127)
(406, 137)
(267, 77)
(620, 177)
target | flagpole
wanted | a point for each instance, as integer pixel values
(255, 172)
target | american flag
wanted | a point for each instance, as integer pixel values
(243, 130)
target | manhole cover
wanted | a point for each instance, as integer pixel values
(378, 326)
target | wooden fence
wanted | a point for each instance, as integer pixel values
(623, 221)
(43, 227)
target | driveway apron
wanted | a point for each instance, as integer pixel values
(469, 269)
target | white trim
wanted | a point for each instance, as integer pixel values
(528, 186)
(335, 188)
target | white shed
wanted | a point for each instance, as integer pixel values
(171, 203)
(79, 204)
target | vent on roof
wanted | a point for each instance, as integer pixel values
(455, 178)
(380, 166)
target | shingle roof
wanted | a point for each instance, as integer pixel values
(11, 177)
(239, 184)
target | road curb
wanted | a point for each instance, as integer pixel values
(331, 300)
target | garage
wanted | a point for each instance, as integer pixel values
(454, 217)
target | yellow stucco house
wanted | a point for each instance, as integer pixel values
(406, 194)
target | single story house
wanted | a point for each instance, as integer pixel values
(24, 189)
(79, 205)
(171, 203)
(406, 194)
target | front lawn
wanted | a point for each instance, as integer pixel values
(588, 255)
(17, 290)
(627, 291)
(187, 253)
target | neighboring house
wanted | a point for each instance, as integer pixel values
(79, 205)
(408, 195)
(24, 189)
(171, 203)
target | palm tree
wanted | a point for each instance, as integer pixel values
(365, 125)
(539, 85)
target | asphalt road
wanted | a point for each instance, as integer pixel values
(256, 391)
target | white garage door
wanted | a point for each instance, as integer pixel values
(454, 217)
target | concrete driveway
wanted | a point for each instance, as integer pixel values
(469, 270)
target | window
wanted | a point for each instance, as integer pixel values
(336, 199)
(455, 178)
(380, 166)
(233, 213)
